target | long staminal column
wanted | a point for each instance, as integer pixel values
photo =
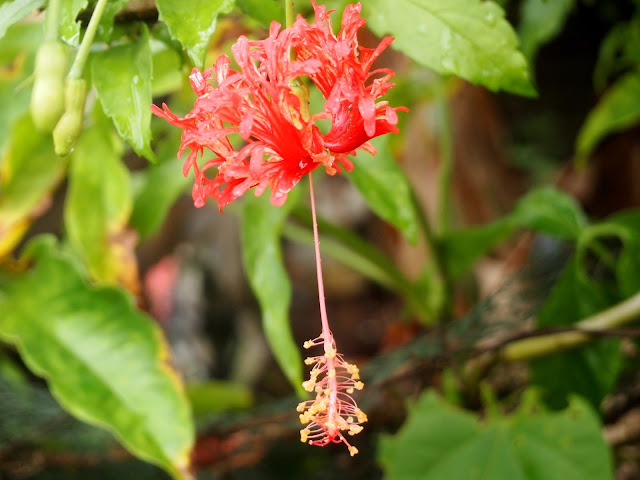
(333, 412)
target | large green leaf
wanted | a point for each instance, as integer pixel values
(194, 24)
(122, 77)
(590, 371)
(386, 188)
(467, 38)
(29, 172)
(104, 361)
(98, 206)
(439, 441)
(617, 110)
(14, 11)
(540, 22)
(262, 256)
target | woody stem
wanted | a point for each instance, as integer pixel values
(316, 242)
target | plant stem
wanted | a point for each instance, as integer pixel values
(288, 13)
(80, 61)
(326, 332)
(445, 174)
(52, 26)
(534, 347)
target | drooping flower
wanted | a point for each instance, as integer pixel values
(262, 103)
(333, 413)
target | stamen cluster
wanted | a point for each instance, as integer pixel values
(333, 410)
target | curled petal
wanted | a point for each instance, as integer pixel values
(258, 102)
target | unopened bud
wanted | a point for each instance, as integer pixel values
(47, 97)
(69, 127)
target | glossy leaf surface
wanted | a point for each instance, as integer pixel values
(104, 361)
(122, 78)
(467, 38)
(193, 26)
(441, 441)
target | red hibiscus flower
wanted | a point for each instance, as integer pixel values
(261, 103)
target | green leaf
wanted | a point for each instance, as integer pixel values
(265, 11)
(460, 249)
(386, 188)
(69, 27)
(617, 110)
(98, 206)
(105, 29)
(590, 371)
(122, 77)
(29, 173)
(619, 51)
(167, 68)
(626, 225)
(17, 53)
(550, 211)
(193, 26)
(262, 256)
(20, 40)
(628, 266)
(467, 38)
(543, 210)
(105, 362)
(13, 11)
(218, 396)
(439, 441)
(540, 22)
(158, 187)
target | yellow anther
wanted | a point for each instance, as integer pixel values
(308, 344)
(308, 385)
(353, 450)
(355, 429)
(350, 390)
(301, 407)
(309, 360)
(304, 433)
(332, 373)
(361, 416)
(358, 385)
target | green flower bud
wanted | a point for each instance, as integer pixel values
(69, 127)
(47, 97)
